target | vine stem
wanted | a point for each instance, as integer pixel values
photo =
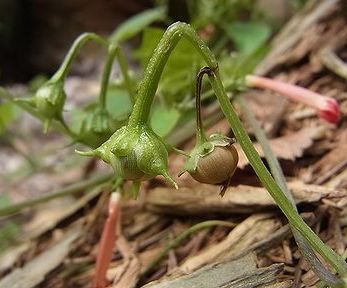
(269, 183)
(123, 65)
(308, 253)
(155, 67)
(111, 54)
(75, 48)
(142, 107)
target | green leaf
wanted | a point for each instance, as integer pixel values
(118, 102)
(164, 120)
(248, 36)
(150, 40)
(137, 23)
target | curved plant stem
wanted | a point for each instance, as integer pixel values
(111, 54)
(200, 134)
(275, 168)
(184, 235)
(75, 48)
(123, 65)
(142, 108)
(155, 67)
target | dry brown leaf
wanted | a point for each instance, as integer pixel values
(287, 147)
(202, 199)
(267, 108)
(328, 165)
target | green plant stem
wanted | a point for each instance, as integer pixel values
(275, 168)
(111, 54)
(184, 235)
(186, 131)
(142, 108)
(152, 75)
(115, 51)
(69, 190)
(123, 65)
(75, 48)
(269, 183)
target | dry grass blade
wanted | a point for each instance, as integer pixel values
(34, 272)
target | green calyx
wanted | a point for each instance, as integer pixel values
(203, 149)
(48, 101)
(135, 153)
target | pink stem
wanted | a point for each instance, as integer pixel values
(107, 242)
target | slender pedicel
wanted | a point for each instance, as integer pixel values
(75, 48)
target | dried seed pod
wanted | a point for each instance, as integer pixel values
(213, 162)
(217, 167)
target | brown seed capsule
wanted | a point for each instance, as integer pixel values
(216, 167)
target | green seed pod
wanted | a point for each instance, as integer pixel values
(213, 162)
(135, 154)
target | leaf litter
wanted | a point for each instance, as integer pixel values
(260, 248)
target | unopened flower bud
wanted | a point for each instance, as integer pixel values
(97, 127)
(135, 154)
(48, 101)
(326, 107)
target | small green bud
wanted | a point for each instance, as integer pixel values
(48, 101)
(213, 162)
(135, 153)
(97, 127)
